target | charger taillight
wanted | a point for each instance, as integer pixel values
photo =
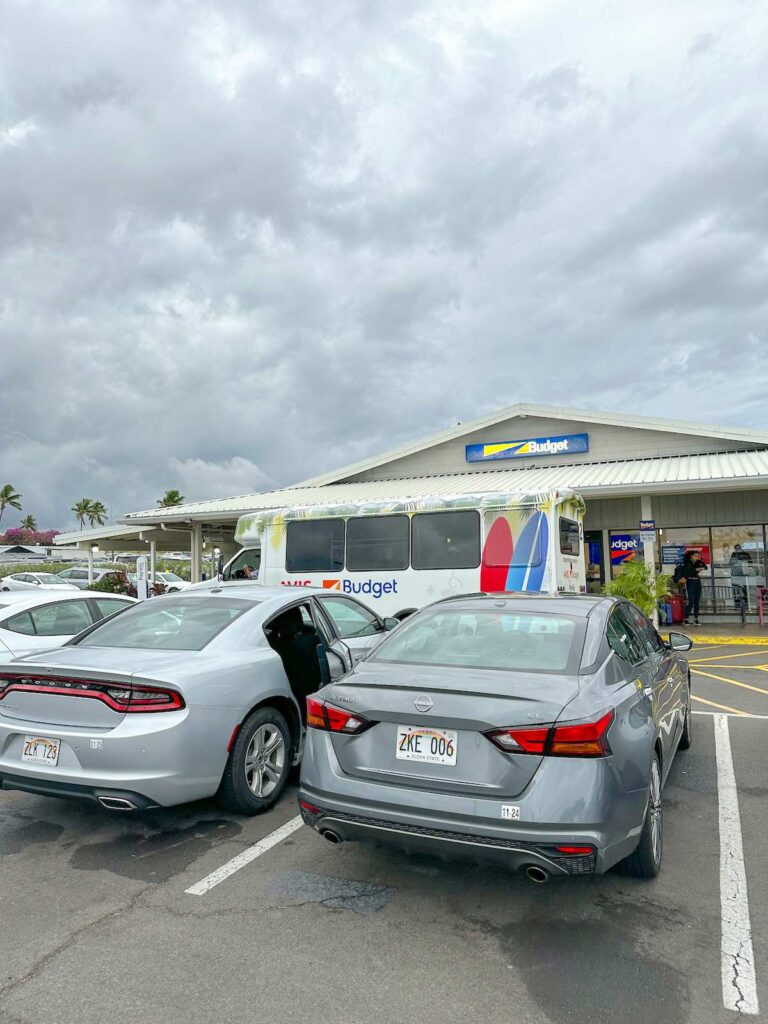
(577, 739)
(127, 699)
(329, 718)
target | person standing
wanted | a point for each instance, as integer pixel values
(692, 566)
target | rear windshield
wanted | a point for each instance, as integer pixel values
(168, 623)
(492, 639)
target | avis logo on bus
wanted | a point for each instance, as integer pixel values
(373, 588)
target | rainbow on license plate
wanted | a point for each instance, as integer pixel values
(41, 750)
(420, 743)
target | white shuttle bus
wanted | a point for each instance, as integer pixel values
(397, 556)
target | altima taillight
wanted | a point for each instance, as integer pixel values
(126, 699)
(577, 739)
(332, 719)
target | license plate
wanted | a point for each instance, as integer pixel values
(420, 743)
(41, 750)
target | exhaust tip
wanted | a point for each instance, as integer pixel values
(536, 874)
(333, 837)
(116, 803)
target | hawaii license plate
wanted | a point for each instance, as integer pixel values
(41, 750)
(421, 743)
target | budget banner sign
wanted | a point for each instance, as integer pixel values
(648, 531)
(528, 448)
(624, 547)
(141, 578)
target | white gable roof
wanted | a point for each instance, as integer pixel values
(738, 435)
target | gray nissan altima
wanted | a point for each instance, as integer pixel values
(179, 698)
(533, 730)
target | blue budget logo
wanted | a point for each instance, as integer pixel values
(528, 448)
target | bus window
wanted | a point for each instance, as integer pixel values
(569, 537)
(315, 545)
(377, 542)
(445, 540)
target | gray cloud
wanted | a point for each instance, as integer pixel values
(242, 243)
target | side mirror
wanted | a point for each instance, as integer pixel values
(679, 642)
(391, 623)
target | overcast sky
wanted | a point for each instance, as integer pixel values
(245, 242)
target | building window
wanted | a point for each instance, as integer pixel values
(570, 543)
(315, 545)
(445, 540)
(738, 566)
(377, 542)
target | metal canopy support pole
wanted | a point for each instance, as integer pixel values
(196, 552)
(90, 564)
(152, 561)
(649, 547)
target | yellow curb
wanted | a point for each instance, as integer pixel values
(753, 641)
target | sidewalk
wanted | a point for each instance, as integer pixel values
(726, 633)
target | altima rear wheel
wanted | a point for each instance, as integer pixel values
(645, 862)
(258, 765)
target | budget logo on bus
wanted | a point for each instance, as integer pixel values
(528, 448)
(624, 547)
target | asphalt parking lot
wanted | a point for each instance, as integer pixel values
(98, 923)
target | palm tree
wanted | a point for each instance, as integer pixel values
(170, 498)
(29, 523)
(82, 510)
(97, 513)
(8, 499)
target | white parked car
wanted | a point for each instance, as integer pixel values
(46, 619)
(172, 582)
(33, 581)
(78, 577)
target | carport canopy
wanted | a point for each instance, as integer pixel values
(138, 539)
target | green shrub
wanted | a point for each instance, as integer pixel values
(641, 584)
(111, 584)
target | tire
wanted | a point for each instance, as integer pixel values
(686, 736)
(645, 862)
(253, 782)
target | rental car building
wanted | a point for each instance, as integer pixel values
(693, 485)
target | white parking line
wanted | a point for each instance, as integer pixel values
(220, 874)
(737, 956)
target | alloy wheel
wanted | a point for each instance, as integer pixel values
(265, 760)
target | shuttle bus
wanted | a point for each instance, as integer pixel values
(399, 555)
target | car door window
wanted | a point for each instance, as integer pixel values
(21, 623)
(650, 638)
(349, 618)
(64, 618)
(108, 606)
(623, 640)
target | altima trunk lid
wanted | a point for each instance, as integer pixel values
(449, 704)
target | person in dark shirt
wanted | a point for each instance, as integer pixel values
(692, 566)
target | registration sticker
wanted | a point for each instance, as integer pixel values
(511, 812)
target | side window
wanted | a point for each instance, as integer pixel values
(570, 543)
(237, 570)
(20, 624)
(108, 606)
(315, 546)
(62, 619)
(650, 638)
(445, 540)
(622, 640)
(349, 618)
(377, 542)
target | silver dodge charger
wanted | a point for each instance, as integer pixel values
(529, 729)
(171, 700)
